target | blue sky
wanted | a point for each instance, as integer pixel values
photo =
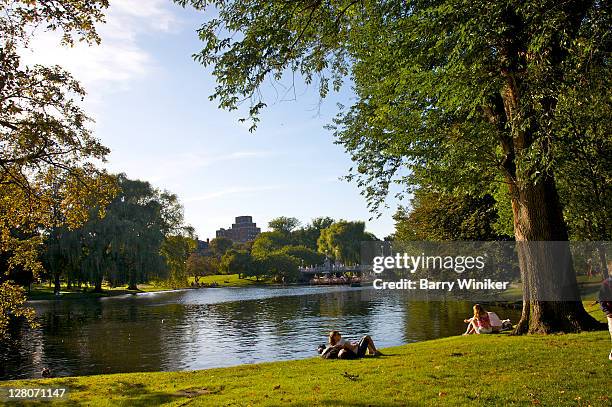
(150, 102)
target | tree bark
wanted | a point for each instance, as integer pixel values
(601, 250)
(98, 286)
(551, 299)
(57, 284)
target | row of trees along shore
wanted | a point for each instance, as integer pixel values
(279, 253)
(509, 99)
(140, 237)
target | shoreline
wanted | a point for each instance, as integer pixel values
(45, 293)
(490, 369)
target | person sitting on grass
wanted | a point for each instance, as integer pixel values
(605, 302)
(480, 323)
(352, 350)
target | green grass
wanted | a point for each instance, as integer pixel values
(232, 280)
(499, 370)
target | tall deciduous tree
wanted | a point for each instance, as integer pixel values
(438, 217)
(455, 93)
(284, 224)
(268, 242)
(175, 250)
(237, 261)
(220, 245)
(342, 241)
(43, 133)
(308, 235)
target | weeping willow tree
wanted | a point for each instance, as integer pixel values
(140, 236)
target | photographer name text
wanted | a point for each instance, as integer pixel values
(426, 284)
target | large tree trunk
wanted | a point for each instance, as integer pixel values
(57, 284)
(551, 299)
(98, 285)
(601, 250)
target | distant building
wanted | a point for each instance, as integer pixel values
(203, 246)
(242, 231)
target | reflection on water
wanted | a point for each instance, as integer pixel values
(197, 329)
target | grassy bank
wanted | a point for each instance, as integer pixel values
(494, 370)
(499, 370)
(45, 292)
(232, 280)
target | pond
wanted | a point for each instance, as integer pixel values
(215, 327)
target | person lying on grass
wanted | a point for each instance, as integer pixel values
(351, 350)
(480, 323)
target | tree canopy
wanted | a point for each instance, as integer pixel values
(342, 241)
(458, 94)
(439, 217)
(140, 237)
(48, 155)
(284, 224)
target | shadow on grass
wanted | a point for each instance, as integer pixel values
(334, 402)
(137, 394)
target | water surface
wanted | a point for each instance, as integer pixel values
(197, 329)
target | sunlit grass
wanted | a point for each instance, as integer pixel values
(231, 280)
(484, 369)
(501, 370)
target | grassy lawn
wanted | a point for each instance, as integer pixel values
(502, 370)
(493, 370)
(232, 280)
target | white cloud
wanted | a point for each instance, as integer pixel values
(121, 58)
(154, 13)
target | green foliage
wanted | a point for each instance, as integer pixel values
(237, 261)
(279, 266)
(452, 94)
(305, 255)
(284, 224)
(439, 217)
(584, 172)
(220, 245)
(342, 241)
(308, 235)
(49, 157)
(200, 266)
(504, 226)
(269, 242)
(176, 250)
(12, 305)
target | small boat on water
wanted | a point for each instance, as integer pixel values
(343, 280)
